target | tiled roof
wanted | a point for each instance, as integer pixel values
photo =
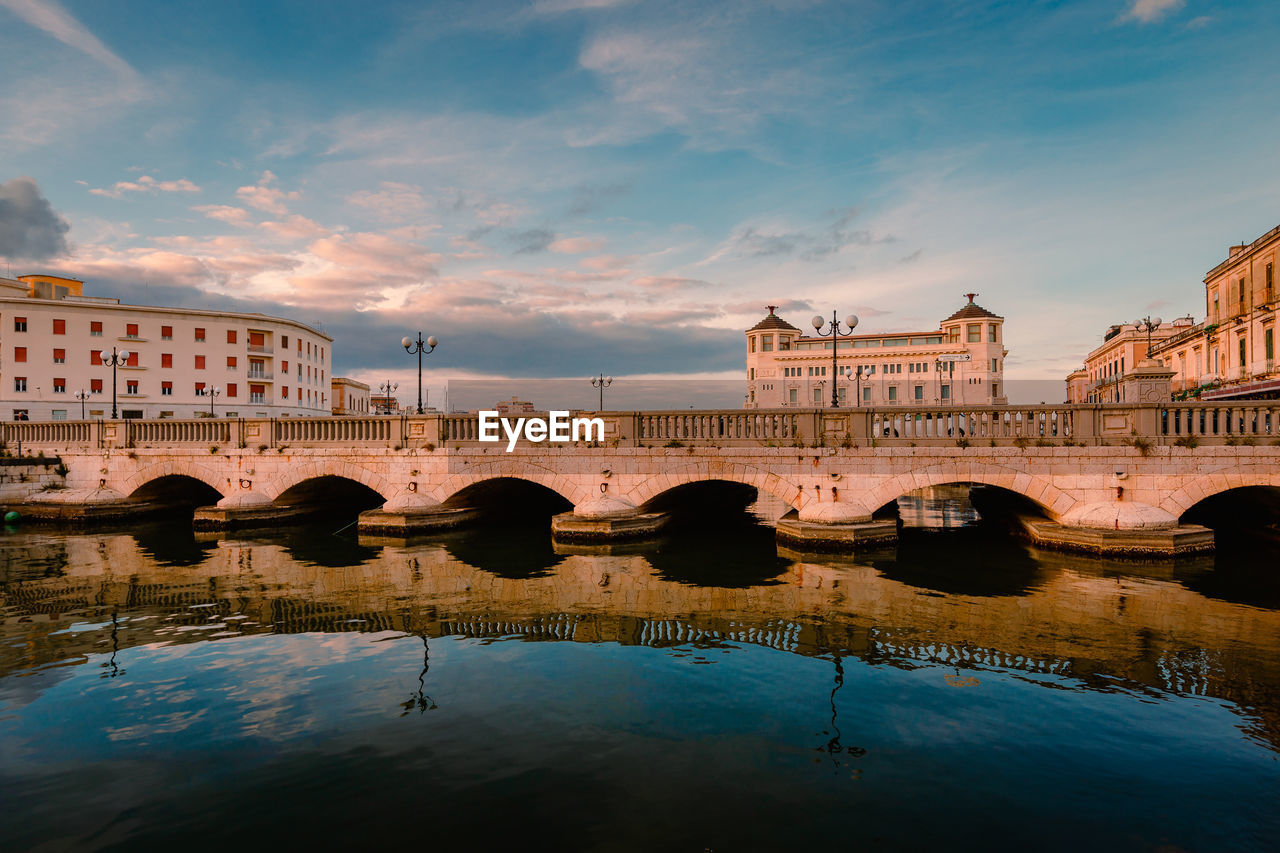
(773, 321)
(972, 310)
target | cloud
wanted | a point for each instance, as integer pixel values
(577, 245)
(54, 20)
(532, 241)
(147, 184)
(751, 241)
(237, 216)
(30, 228)
(392, 201)
(588, 198)
(668, 284)
(1150, 11)
(558, 7)
(368, 253)
(265, 195)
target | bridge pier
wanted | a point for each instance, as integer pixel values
(1119, 528)
(83, 506)
(411, 514)
(244, 510)
(606, 519)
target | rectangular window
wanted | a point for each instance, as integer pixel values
(284, 366)
(784, 343)
(1269, 344)
(299, 346)
(166, 359)
(231, 336)
(766, 343)
(95, 386)
(919, 393)
(60, 385)
(817, 396)
(995, 365)
(199, 389)
(166, 333)
(791, 396)
(946, 392)
(231, 362)
(1243, 350)
(284, 392)
(995, 390)
(199, 362)
(1240, 286)
(133, 359)
(131, 330)
(20, 383)
(974, 332)
(257, 339)
(59, 414)
(59, 356)
(231, 389)
(19, 324)
(866, 395)
(284, 341)
(893, 393)
(992, 337)
(95, 328)
(166, 389)
(131, 386)
(1271, 283)
(19, 353)
(199, 336)
(59, 327)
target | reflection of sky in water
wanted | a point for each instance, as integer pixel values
(961, 693)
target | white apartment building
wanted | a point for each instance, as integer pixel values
(959, 363)
(53, 337)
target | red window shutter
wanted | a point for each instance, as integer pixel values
(284, 392)
(95, 385)
(231, 361)
(256, 339)
(231, 389)
(95, 326)
(166, 386)
(284, 366)
(231, 336)
(166, 331)
(199, 387)
(59, 327)
(19, 353)
(257, 389)
(166, 359)
(59, 354)
(199, 334)
(199, 362)
(131, 329)
(133, 359)
(95, 357)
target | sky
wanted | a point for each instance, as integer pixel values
(563, 188)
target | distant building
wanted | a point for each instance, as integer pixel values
(384, 404)
(1123, 347)
(1231, 355)
(52, 338)
(349, 396)
(959, 363)
(514, 407)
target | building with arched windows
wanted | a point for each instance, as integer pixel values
(53, 337)
(959, 363)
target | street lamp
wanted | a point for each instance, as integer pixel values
(387, 389)
(1148, 325)
(856, 376)
(116, 359)
(212, 394)
(852, 322)
(419, 347)
(82, 395)
(602, 383)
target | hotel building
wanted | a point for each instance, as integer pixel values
(1231, 355)
(52, 338)
(959, 363)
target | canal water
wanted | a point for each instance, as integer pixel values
(489, 689)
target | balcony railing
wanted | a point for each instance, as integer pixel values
(261, 374)
(261, 348)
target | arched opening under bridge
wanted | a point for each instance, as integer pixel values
(325, 493)
(177, 491)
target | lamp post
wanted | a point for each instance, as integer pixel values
(602, 383)
(212, 394)
(857, 395)
(852, 322)
(113, 361)
(1148, 325)
(387, 389)
(419, 347)
(82, 395)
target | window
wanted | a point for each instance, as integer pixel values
(166, 333)
(199, 389)
(166, 389)
(199, 336)
(95, 328)
(20, 414)
(284, 392)
(199, 362)
(770, 337)
(19, 324)
(133, 359)
(791, 398)
(166, 359)
(299, 346)
(59, 414)
(751, 374)
(1271, 282)
(784, 343)
(866, 395)
(1269, 344)
(231, 389)
(1240, 286)
(59, 327)
(95, 386)
(751, 344)
(231, 362)
(893, 393)
(817, 395)
(257, 339)
(766, 343)
(995, 365)
(19, 353)
(231, 336)
(131, 330)
(20, 383)
(284, 340)
(284, 366)
(992, 335)
(974, 332)
(59, 356)
(1243, 343)
(131, 386)
(60, 385)
(946, 392)
(919, 393)
(995, 389)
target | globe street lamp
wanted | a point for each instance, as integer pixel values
(1148, 325)
(387, 389)
(116, 359)
(82, 395)
(419, 347)
(602, 383)
(856, 376)
(212, 394)
(852, 322)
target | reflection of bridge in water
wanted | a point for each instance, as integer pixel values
(1074, 622)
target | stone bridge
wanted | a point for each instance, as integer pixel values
(1104, 477)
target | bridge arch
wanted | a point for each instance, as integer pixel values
(326, 466)
(1034, 488)
(696, 472)
(176, 467)
(1208, 485)
(511, 469)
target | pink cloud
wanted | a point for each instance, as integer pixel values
(265, 195)
(146, 184)
(577, 245)
(377, 254)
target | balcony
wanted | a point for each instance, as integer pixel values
(259, 399)
(264, 375)
(260, 348)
